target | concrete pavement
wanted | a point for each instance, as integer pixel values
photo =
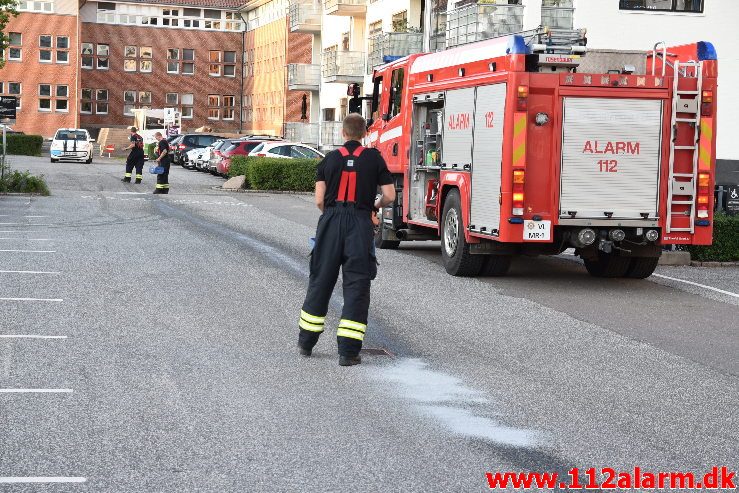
(179, 314)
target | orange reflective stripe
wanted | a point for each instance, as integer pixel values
(519, 139)
(705, 144)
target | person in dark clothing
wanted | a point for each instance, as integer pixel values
(163, 161)
(346, 186)
(135, 157)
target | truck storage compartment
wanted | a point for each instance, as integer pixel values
(611, 151)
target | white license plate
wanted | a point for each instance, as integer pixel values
(537, 230)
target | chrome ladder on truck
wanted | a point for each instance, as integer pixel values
(682, 189)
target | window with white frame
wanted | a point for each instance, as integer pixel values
(46, 45)
(173, 61)
(62, 49)
(145, 97)
(130, 99)
(87, 55)
(102, 61)
(186, 110)
(137, 58)
(86, 101)
(214, 107)
(188, 61)
(229, 104)
(171, 99)
(44, 97)
(101, 102)
(15, 43)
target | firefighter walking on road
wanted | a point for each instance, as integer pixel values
(163, 161)
(346, 186)
(135, 158)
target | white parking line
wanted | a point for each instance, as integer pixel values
(55, 300)
(711, 288)
(36, 391)
(28, 251)
(27, 272)
(43, 479)
(28, 239)
(29, 336)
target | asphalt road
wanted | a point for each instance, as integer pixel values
(165, 355)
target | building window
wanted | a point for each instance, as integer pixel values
(86, 101)
(87, 55)
(695, 6)
(171, 99)
(101, 101)
(400, 22)
(229, 103)
(214, 110)
(45, 44)
(145, 66)
(222, 63)
(44, 101)
(186, 111)
(62, 49)
(62, 101)
(62, 105)
(15, 41)
(103, 52)
(173, 61)
(145, 97)
(137, 58)
(15, 89)
(171, 17)
(188, 61)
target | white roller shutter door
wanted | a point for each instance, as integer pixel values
(610, 157)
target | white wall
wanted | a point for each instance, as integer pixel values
(609, 27)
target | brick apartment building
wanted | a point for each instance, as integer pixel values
(41, 65)
(186, 55)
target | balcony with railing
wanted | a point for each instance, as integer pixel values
(305, 16)
(386, 47)
(354, 8)
(342, 66)
(303, 77)
(331, 134)
(482, 21)
(306, 133)
(558, 14)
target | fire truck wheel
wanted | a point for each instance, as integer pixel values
(496, 265)
(455, 251)
(608, 265)
(384, 244)
(642, 267)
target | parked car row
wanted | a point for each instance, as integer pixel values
(213, 153)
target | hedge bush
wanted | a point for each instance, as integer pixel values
(150, 148)
(725, 246)
(23, 145)
(23, 182)
(263, 173)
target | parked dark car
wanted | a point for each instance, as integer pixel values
(188, 142)
(240, 147)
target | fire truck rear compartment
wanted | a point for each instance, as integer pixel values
(610, 162)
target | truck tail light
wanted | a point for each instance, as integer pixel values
(181, 147)
(707, 103)
(704, 192)
(522, 102)
(518, 194)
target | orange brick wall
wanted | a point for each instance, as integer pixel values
(30, 72)
(266, 98)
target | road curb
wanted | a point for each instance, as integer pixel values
(713, 264)
(675, 258)
(276, 192)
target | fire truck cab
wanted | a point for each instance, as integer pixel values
(502, 147)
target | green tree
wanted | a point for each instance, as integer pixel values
(8, 9)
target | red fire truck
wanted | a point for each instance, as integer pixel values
(505, 147)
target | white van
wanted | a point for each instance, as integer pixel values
(71, 144)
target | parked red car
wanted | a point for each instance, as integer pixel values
(237, 148)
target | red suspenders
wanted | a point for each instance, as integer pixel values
(348, 184)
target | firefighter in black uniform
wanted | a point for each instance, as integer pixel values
(163, 161)
(135, 157)
(346, 186)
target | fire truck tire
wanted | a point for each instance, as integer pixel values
(608, 265)
(642, 267)
(455, 251)
(495, 265)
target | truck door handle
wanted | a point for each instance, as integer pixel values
(395, 149)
